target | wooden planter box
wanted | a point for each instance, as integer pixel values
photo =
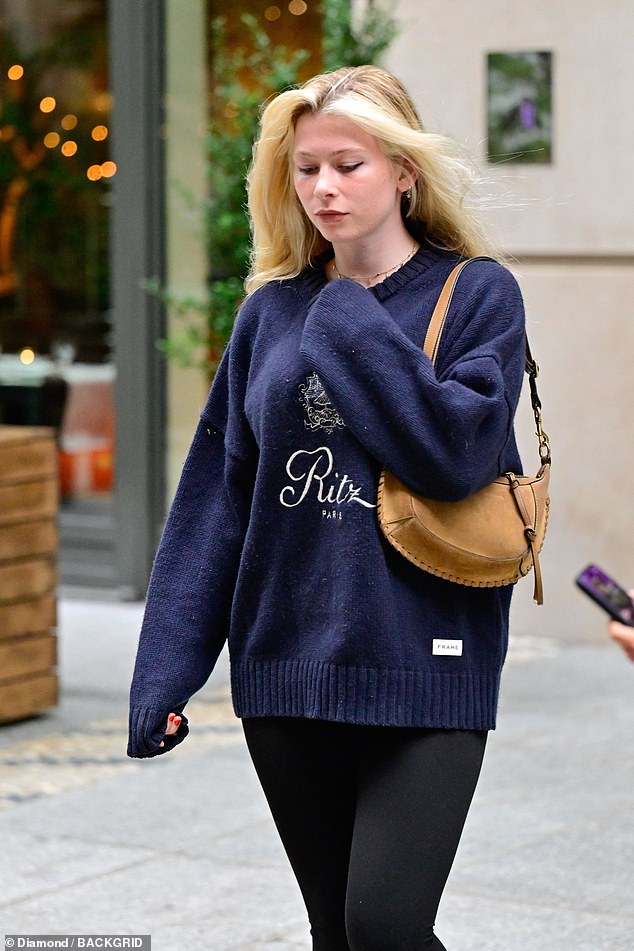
(28, 552)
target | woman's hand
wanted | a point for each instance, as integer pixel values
(624, 636)
(173, 723)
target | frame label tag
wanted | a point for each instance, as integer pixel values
(450, 648)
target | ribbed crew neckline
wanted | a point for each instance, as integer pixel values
(425, 257)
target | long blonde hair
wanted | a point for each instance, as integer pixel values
(284, 239)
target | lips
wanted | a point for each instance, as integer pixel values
(330, 215)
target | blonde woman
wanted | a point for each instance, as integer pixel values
(366, 687)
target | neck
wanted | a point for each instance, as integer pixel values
(369, 265)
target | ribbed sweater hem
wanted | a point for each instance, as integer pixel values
(465, 700)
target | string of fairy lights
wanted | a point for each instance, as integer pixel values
(68, 146)
(296, 7)
(62, 137)
(68, 122)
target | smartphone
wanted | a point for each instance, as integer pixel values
(607, 594)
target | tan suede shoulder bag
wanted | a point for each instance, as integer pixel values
(493, 537)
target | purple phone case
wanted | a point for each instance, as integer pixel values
(607, 594)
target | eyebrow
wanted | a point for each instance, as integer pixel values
(350, 148)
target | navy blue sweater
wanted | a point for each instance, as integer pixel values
(273, 541)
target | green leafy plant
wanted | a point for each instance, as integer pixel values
(204, 325)
(241, 79)
(350, 42)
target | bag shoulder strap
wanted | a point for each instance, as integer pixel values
(432, 343)
(439, 316)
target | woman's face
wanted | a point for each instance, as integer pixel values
(348, 187)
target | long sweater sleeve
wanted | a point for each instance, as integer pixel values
(192, 583)
(441, 430)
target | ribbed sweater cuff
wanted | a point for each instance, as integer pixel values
(147, 730)
(373, 696)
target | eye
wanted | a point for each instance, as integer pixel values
(306, 169)
(350, 168)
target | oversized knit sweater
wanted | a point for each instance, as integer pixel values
(273, 542)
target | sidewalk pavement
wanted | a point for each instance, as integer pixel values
(182, 847)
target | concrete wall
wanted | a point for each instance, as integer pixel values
(577, 204)
(581, 330)
(186, 115)
(569, 226)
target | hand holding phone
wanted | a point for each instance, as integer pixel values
(605, 592)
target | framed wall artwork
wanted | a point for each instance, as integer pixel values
(520, 107)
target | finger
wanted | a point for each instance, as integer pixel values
(627, 646)
(173, 723)
(625, 637)
(614, 628)
(621, 633)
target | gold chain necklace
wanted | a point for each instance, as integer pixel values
(373, 277)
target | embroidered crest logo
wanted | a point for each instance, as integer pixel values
(320, 412)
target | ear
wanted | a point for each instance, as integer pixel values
(407, 176)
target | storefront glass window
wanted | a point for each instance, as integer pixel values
(56, 363)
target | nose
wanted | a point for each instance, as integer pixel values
(325, 182)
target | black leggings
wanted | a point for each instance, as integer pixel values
(370, 818)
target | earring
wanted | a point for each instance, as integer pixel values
(408, 194)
